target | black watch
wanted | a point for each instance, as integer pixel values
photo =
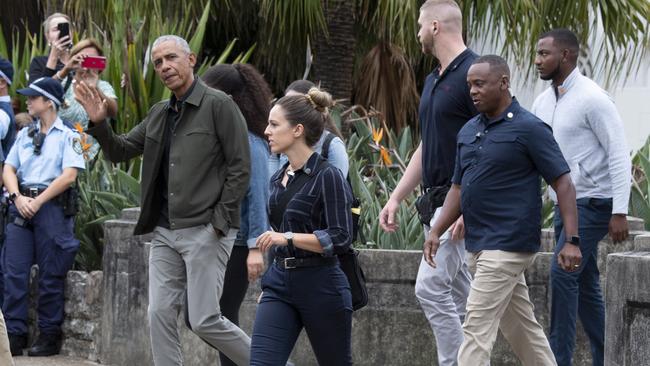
(289, 236)
(575, 240)
(13, 196)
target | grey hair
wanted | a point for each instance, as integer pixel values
(180, 42)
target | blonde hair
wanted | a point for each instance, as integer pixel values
(46, 23)
(85, 43)
(446, 11)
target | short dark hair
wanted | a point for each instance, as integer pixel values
(301, 86)
(564, 38)
(496, 62)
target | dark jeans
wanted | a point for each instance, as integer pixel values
(578, 293)
(235, 284)
(316, 298)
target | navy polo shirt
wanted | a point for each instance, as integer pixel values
(445, 106)
(498, 166)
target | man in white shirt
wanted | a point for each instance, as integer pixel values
(590, 134)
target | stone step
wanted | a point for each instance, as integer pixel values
(635, 224)
(53, 361)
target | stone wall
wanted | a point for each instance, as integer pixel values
(391, 330)
(83, 309)
(627, 302)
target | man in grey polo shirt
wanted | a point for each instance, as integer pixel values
(590, 134)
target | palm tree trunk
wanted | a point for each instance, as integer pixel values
(334, 54)
(15, 15)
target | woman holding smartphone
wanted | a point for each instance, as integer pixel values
(74, 72)
(55, 28)
(310, 212)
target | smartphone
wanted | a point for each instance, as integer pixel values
(64, 29)
(94, 62)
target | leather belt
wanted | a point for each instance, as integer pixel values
(292, 262)
(31, 192)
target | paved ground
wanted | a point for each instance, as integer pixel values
(52, 361)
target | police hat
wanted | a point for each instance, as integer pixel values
(45, 87)
(6, 70)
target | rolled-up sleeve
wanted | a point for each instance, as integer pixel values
(337, 204)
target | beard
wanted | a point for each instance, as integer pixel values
(552, 74)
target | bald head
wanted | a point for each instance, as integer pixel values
(446, 12)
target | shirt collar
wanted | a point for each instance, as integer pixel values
(58, 124)
(454, 64)
(309, 168)
(5, 98)
(568, 83)
(508, 115)
(187, 97)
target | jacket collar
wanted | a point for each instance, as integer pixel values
(568, 83)
(193, 96)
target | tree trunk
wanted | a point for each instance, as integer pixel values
(334, 55)
(15, 15)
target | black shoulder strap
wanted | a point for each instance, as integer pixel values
(325, 149)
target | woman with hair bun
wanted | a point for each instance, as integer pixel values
(310, 213)
(331, 144)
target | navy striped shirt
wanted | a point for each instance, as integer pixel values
(321, 207)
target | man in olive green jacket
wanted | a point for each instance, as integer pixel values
(195, 171)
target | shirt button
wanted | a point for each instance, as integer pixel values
(172, 164)
(171, 194)
(307, 170)
(480, 147)
(486, 131)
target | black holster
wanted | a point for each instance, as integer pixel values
(69, 201)
(431, 199)
(4, 217)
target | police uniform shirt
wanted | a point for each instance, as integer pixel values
(498, 166)
(61, 149)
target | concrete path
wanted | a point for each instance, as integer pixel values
(53, 361)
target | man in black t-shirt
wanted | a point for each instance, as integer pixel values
(445, 106)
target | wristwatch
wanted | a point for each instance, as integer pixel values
(13, 196)
(575, 240)
(289, 236)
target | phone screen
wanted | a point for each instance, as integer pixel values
(64, 29)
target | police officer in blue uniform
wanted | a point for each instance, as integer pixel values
(38, 173)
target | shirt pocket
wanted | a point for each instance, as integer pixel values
(199, 145)
(501, 149)
(299, 209)
(467, 151)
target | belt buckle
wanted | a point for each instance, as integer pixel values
(33, 192)
(287, 262)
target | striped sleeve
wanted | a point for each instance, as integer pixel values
(337, 203)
